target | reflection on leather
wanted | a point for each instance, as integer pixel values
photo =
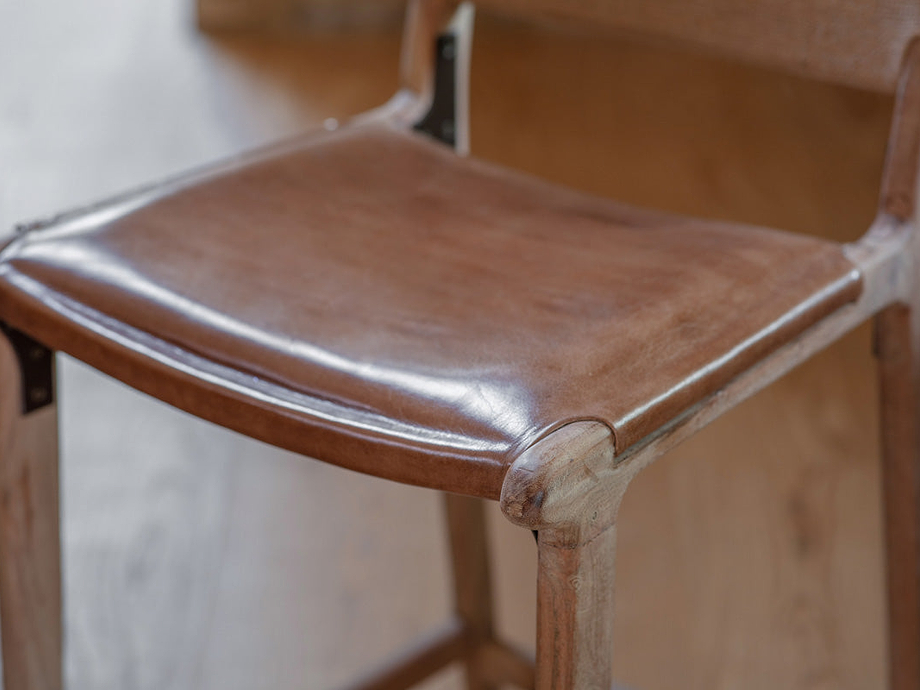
(370, 299)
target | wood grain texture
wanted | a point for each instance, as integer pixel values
(897, 350)
(575, 613)
(568, 487)
(30, 543)
(854, 43)
(568, 482)
(857, 43)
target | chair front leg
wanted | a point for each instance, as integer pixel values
(575, 611)
(30, 547)
(898, 352)
(568, 488)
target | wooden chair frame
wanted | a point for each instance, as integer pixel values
(567, 488)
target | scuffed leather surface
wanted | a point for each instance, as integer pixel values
(374, 301)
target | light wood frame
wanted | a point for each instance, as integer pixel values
(30, 540)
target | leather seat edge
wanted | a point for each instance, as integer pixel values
(210, 395)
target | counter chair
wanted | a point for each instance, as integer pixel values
(372, 297)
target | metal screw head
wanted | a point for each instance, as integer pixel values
(448, 51)
(448, 128)
(38, 394)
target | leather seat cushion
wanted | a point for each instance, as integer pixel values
(411, 313)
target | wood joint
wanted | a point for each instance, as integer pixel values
(568, 486)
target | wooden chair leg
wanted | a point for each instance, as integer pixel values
(575, 612)
(568, 487)
(30, 555)
(466, 524)
(898, 352)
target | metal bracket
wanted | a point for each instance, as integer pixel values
(36, 366)
(440, 121)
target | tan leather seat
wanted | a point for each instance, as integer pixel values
(371, 298)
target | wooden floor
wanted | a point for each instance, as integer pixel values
(198, 559)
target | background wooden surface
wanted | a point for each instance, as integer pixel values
(295, 15)
(197, 559)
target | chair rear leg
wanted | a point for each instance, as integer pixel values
(30, 548)
(898, 352)
(466, 525)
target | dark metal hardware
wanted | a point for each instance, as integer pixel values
(440, 121)
(36, 366)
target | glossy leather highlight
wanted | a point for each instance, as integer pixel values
(371, 299)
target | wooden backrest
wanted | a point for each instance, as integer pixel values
(854, 42)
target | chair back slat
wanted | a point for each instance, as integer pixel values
(854, 42)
